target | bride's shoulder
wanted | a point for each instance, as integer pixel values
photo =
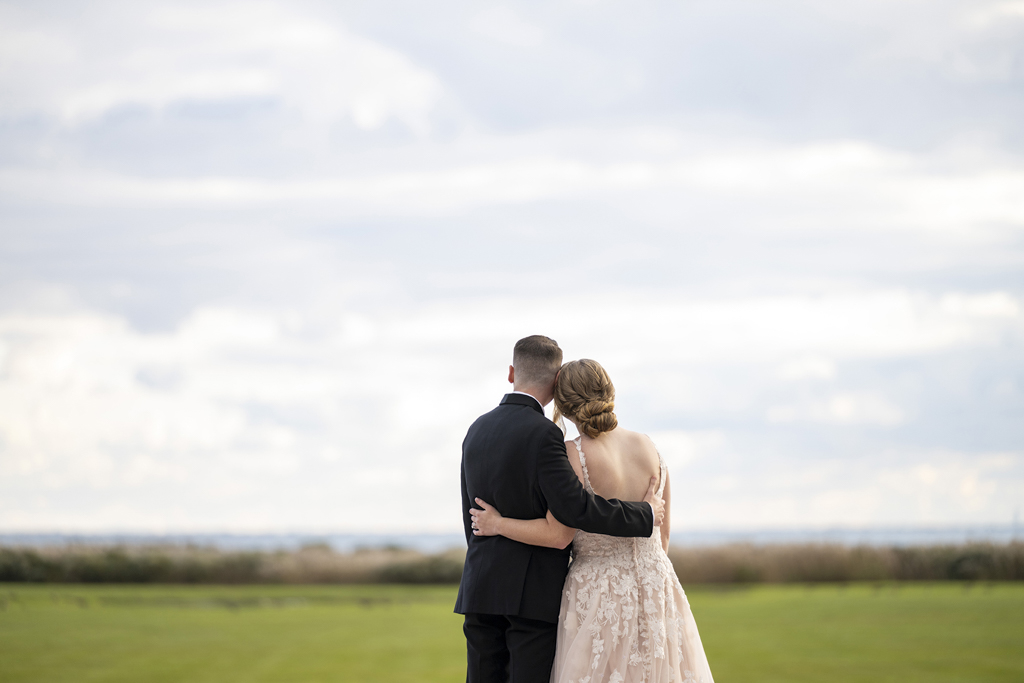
(633, 437)
(640, 442)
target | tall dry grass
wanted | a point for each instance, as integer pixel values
(738, 563)
(745, 563)
(189, 564)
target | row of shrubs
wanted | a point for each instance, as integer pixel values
(738, 563)
(204, 565)
(742, 563)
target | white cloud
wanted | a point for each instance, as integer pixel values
(808, 367)
(843, 408)
(679, 447)
(987, 14)
(152, 56)
(260, 234)
(992, 305)
(929, 488)
(504, 25)
(950, 485)
(844, 326)
(232, 403)
(823, 189)
(975, 41)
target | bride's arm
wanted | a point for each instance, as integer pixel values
(547, 532)
(666, 524)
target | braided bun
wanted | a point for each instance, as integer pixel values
(585, 394)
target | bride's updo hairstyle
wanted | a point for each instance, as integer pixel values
(585, 394)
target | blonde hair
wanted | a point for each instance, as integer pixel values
(585, 394)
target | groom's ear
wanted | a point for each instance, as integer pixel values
(511, 374)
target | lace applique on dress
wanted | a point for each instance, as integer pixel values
(624, 616)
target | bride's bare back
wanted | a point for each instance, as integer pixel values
(620, 463)
(624, 615)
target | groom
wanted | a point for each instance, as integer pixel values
(514, 458)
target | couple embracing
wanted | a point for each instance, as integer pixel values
(616, 613)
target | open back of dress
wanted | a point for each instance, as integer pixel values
(624, 615)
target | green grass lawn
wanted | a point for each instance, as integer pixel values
(932, 633)
(839, 634)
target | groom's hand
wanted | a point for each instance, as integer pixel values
(657, 504)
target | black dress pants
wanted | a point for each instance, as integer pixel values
(508, 649)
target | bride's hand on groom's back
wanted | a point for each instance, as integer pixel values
(657, 504)
(545, 531)
(486, 522)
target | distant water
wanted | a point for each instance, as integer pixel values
(430, 543)
(872, 536)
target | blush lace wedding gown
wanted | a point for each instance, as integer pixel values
(624, 616)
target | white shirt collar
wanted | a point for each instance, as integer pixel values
(531, 396)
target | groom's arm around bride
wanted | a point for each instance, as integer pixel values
(514, 458)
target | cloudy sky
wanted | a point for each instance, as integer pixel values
(261, 264)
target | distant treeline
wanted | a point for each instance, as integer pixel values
(808, 563)
(162, 564)
(319, 564)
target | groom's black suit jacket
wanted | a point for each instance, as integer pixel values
(514, 458)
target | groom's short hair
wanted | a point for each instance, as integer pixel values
(536, 359)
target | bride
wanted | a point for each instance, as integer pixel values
(624, 616)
